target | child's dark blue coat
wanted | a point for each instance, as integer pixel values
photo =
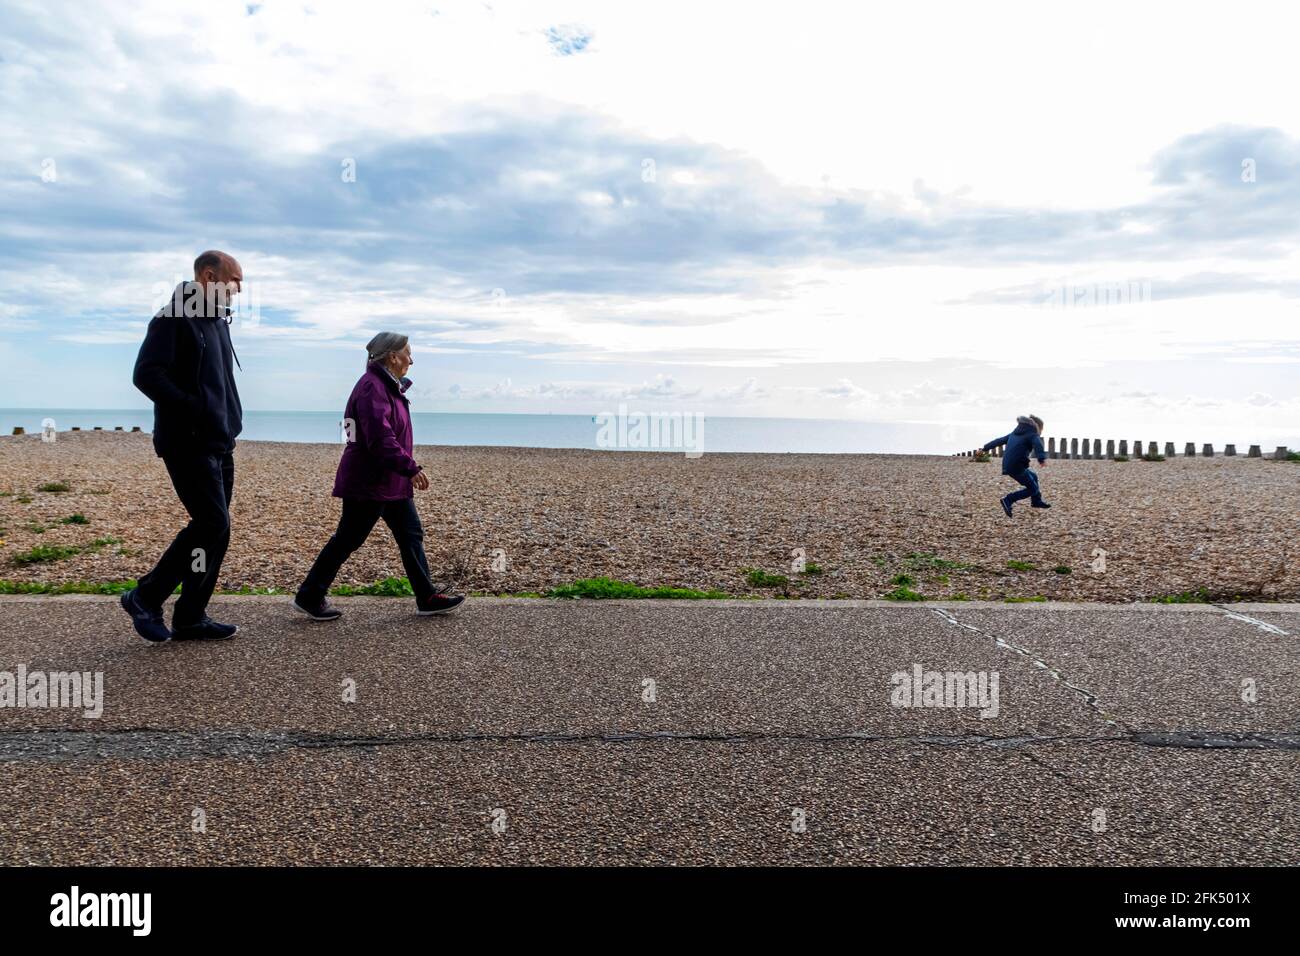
(1021, 443)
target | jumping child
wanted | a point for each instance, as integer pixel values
(1021, 443)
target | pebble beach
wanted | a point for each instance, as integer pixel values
(520, 520)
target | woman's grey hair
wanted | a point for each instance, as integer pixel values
(383, 345)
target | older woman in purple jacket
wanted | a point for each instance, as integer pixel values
(375, 480)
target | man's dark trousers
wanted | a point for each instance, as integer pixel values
(1030, 481)
(204, 482)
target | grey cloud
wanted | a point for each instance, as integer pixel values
(499, 203)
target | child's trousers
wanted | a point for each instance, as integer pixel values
(1030, 481)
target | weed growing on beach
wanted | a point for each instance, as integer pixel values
(1150, 457)
(1120, 458)
(608, 588)
(1063, 569)
(101, 587)
(457, 568)
(902, 580)
(1020, 565)
(903, 593)
(588, 588)
(926, 561)
(1199, 596)
(57, 552)
(388, 587)
(812, 568)
(43, 553)
(38, 528)
(1292, 456)
(758, 578)
(593, 588)
(23, 499)
(55, 487)
(67, 587)
(981, 456)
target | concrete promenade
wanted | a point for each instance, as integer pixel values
(736, 732)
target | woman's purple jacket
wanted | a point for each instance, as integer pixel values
(377, 463)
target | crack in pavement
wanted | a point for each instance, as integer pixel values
(1255, 622)
(46, 746)
(1055, 771)
(1088, 696)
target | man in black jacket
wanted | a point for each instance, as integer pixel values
(186, 367)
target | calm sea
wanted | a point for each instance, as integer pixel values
(716, 434)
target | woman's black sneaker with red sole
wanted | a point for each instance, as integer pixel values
(438, 604)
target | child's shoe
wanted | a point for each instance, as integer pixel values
(1039, 504)
(1006, 506)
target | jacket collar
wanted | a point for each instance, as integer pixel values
(381, 371)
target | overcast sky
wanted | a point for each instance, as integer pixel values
(890, 212)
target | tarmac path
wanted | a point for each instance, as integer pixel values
(520, 731)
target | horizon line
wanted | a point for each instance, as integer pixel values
(317, 411)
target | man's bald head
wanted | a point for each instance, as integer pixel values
(219, 274)
(221, 265)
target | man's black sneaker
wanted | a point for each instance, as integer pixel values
(206, 630)
(148, 622)
(321, 610)
(438, 604)
(1006, 506)
(1041, 504)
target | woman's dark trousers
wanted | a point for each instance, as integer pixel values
(358, 519)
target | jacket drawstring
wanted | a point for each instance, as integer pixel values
(229, 322)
